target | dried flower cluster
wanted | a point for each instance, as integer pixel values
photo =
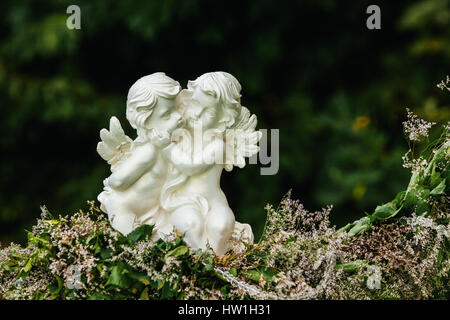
(444, 85)
(403, 259)
(407, 254)
(416, 128)
(300, 257)
(417, 165)
(82, 257)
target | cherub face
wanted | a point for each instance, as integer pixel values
(202, 110)
(164, 116)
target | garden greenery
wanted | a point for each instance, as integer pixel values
(400, 251)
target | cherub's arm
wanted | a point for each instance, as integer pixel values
(190, 165)
(140, 161)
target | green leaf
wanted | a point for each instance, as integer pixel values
(359, 226)
(141, 277)
(351, 266)
(357, 229)
(55, 289)
(253, 274)
(118, 277)
(159, 285)
(385, 211)
(36, 240)
(268, 273)
(439, 189)
(106, 253)
(27, 266)
(52, 222)
(209, 263)
(99, 296)
(347, 227)
(415, 198)
(97, 248)
(423, 209)
(399, 198)
(224, 289)
(143, 232)
(177, 252)
(441, 152)
(144, 295)
(435, 177)
(167, 291)
(415, 180)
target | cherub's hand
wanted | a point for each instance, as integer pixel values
(158, 138)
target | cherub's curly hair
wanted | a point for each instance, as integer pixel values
(143, 96)
(225, 88)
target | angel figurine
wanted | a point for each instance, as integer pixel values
(169, 176)
(131, 193)
(225, 134)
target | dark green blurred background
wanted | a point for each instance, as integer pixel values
(336, 90)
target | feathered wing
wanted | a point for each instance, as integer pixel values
(241, 140)
(114, 144)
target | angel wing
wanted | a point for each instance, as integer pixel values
(241, 140)
(115, 143)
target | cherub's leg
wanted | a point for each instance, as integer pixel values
(219, 227)
(120, 217)
(123, 221)
(103, 199)
(189, 221)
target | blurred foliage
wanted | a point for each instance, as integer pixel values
(336, 90)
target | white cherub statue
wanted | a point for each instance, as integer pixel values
(131, 193)
(170, 177)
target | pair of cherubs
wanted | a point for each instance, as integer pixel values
(162, 177)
